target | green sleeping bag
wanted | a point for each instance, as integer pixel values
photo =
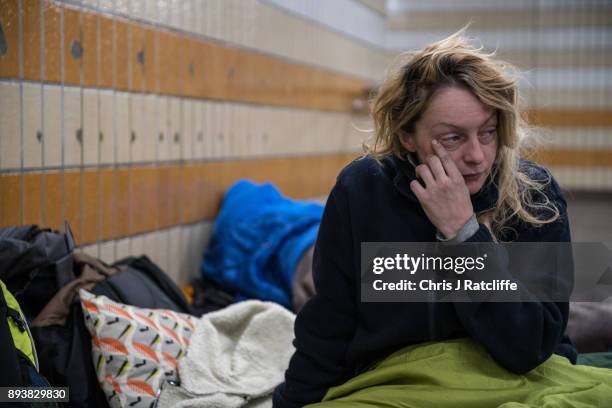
(461, 373)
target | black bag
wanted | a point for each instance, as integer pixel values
(34, 264)
(141, 283)
(64, 353)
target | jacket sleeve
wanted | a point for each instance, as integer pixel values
(327, 322)
(520, 335)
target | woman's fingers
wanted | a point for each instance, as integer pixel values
(447, 162)
(418, 190)
(435, 165)
(423, 171)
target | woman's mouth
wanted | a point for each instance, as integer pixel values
(471, 177)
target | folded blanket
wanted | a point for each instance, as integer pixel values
(460, 373)
(236, 357)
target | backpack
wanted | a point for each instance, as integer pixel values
(18, 358)
(34, 264)
(141, 283)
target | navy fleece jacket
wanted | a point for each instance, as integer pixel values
(337, 336)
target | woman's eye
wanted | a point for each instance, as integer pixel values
(450, 141)
(488, 135)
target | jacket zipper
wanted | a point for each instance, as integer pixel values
(20, 321)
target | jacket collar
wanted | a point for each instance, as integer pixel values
(403, 172)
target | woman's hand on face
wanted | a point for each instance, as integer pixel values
(445, 197)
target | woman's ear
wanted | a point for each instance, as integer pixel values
(407, 140)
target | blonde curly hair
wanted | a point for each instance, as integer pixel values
(406, 93)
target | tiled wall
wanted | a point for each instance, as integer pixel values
(129, 118)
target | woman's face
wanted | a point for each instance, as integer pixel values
(465, 127)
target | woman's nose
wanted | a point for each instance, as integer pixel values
(473, 150)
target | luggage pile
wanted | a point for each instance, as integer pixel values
(42, 329)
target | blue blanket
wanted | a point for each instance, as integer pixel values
(258, 240)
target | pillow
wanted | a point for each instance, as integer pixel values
(134, 349)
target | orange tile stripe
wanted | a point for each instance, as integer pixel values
(173, 64)
(573, 157)
(570, 118)
(104, 204)
(161, 61)
(131, 200)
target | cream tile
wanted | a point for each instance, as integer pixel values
(199, 17)
(204, 235)
(150, 247)
(188, 15)
(188, 258)
(52, 125)
(122, 248)
(197, 249)
(136, 128)
(254, 129)
(231, 116)
(198, 130)
(175, 128)
(106, 135)
(201, 234)
(213, 18)
(93, 3)
(92, 250)
(241, 140)
(107, 252)
(214, 122)
(247, 135)
(122, 6)
(91, 129)
(72, 126)
(174, 254)
(32, 125)
(163, 12)
(263, 126)
(137, 8)
(235, 11)
(574, 177)
(10, 145)
(287, 144)
(149, 128)
(122, 128)
(187, 126)
(137, 245)
(601, 175)
(176, 14)
(584, 178)
(151, 11)
(161, 257)
(224, 129)
(106, 4)
(273, 131)
(209, 132)
(163, 135)
(300, 140)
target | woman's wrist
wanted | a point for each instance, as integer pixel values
(464, 233)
